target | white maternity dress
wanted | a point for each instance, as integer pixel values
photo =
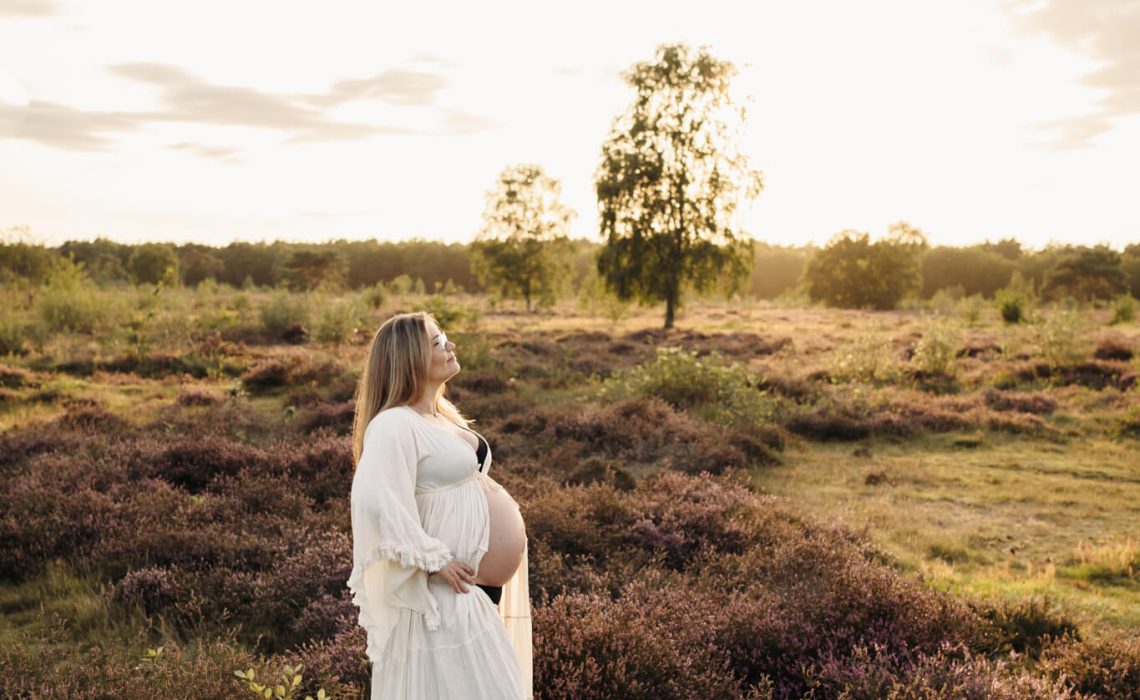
(417, 502)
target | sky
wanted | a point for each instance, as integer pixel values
(213, 122)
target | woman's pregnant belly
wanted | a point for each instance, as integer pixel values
(507, 537)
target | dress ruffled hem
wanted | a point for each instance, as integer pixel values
(405, 556)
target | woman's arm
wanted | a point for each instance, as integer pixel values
(384, 512)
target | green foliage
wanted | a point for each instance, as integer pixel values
(25, 262)
(595, 299)
(670, 180)
(450, 313)
(307, 269)
(283, 689)
(868, 358)
(11, 334)
(1123, 310)
(338, 320)
(373, 297)
(854, 273)
(1060, 340)
(283, 310)
(971, 309)
(1087, 274)
(67, 303)
(523, 250)
(975, 269)
(776, 270)
(139, 327)
(718, 391)
(103, 259)
(1015, 299)
(199, 263)
(935, 351)
(401, 284)
(153, 263)
(946, 300)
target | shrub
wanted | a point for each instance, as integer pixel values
(1112, 349)
(1106, 668)
(270, 373)
(1059, 339)
(724, 393)
(198, 396)
(68, 302)
(374, 296)
(11, 334)
(450, 313)
(646, 645)
(151, 588)
(1123, 310)
(1024, 402)
(971, 309)
(1013, 300)
(1023, 626)
(283, 312)
(866, 359)
(337, 321)
(935, 351)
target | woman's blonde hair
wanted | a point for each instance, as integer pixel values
(396, 373)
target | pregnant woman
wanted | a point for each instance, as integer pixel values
(439, 548)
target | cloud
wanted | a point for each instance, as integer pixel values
(28, 8)
(219, 153)
(1105, 31)
(186, 98)
(64, 127)
(463, 123)
(398, 86)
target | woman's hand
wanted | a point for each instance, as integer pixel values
(456, 573)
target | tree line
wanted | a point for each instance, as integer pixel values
(842, 273)
(669, 183)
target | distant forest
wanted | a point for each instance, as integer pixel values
(429, 266)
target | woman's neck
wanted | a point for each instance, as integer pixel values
(425, 404)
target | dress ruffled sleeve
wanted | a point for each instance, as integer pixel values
(391, 553)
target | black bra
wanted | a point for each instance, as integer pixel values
(481, 453)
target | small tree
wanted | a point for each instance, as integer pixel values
(852, 272)
(153, 263)
(305, 270)
(671, 179)
(1092, 273)
(523, 250)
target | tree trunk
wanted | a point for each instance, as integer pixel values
(670, 303)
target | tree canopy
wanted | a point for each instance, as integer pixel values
(523, 250)
(852, 272)
(671, 179)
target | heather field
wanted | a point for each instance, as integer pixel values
(772, 500)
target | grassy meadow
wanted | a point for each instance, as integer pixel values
(773, 500)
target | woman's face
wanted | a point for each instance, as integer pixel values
(444, 366)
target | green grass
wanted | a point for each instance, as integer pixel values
(1004, 518)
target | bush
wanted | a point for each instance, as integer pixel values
(337, 321)
(1107, 668)
(1011, 305)
(68, 302)
(374, 296)
(1024, 625)
(1013, 301)
(935, 351)
(1059, 339)
(1123, 310)
(284, 311)
(449, 313)
(721, 392)
(866, 359)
